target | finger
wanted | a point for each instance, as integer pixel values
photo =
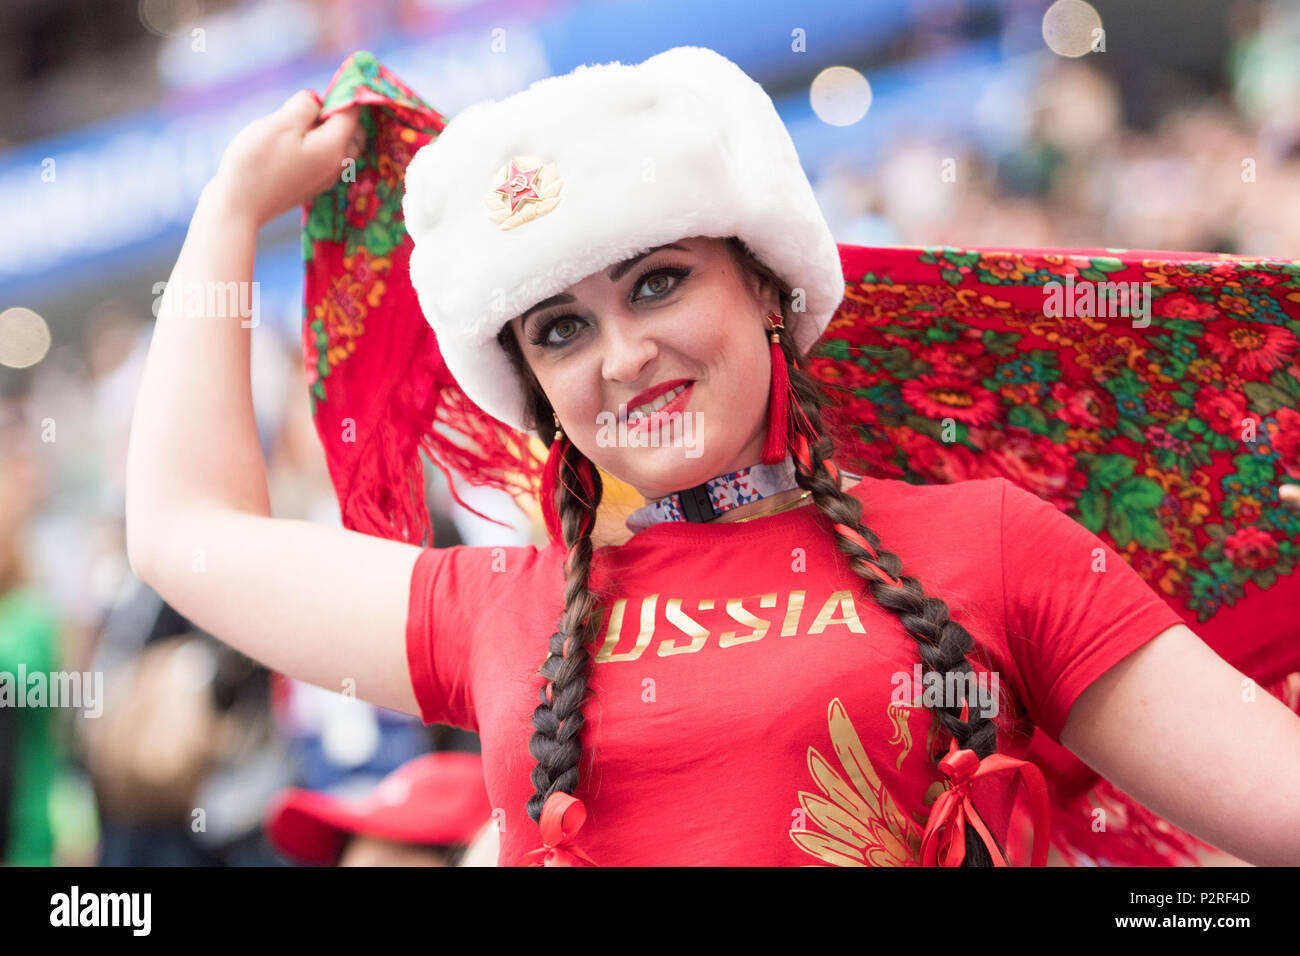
(342, 135)
(302, 108)
(1290, 494)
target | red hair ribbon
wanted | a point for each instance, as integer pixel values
(802, 454)
(551, 478)
(944, 840)
(562, 817)
(875, 558)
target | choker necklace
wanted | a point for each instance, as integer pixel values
(710, 499)
(788, 506)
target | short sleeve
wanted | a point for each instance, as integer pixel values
(1074, 608)
(438, 641)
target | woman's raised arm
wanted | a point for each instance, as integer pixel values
(321, 604)
(1178, 728)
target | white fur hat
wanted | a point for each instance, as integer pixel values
(520, 198)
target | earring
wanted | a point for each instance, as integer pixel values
(559, 432)
(778, 402)
(785, 416)
(775, 323)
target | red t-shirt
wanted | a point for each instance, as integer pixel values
(751, 699)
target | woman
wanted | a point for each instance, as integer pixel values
(586, 250)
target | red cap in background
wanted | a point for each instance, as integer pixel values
(437, 799)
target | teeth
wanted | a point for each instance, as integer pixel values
(649, 408)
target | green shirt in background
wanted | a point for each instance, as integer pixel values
(29, 635)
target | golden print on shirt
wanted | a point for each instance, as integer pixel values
(899, 714)
(684, 634)
(861, 825)
(902, 732)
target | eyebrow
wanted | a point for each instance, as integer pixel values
(620, 270)
(615, 274)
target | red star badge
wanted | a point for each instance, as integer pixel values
(519, 185)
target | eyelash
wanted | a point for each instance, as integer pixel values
(543, 329)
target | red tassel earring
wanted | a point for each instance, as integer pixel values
(779, 400)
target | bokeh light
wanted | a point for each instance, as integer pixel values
(1070, 27)
(840, 95)
(24, 338)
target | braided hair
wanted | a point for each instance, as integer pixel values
(942, 643)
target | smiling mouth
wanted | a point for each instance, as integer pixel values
(668, 402)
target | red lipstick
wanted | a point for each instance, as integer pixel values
(653, 392)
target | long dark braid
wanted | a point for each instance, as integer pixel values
(559, 717)
(942, 643)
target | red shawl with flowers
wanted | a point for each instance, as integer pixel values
(1166, 432)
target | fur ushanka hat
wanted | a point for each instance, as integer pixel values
(520, 198)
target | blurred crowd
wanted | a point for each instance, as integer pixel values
(189, 723)
(1059, 166)
(287, 773)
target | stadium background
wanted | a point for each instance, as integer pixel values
(1179, 130)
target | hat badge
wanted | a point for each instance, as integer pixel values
(523, 189)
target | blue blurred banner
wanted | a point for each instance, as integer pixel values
(119, 195)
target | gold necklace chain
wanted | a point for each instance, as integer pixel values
(787, 507)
